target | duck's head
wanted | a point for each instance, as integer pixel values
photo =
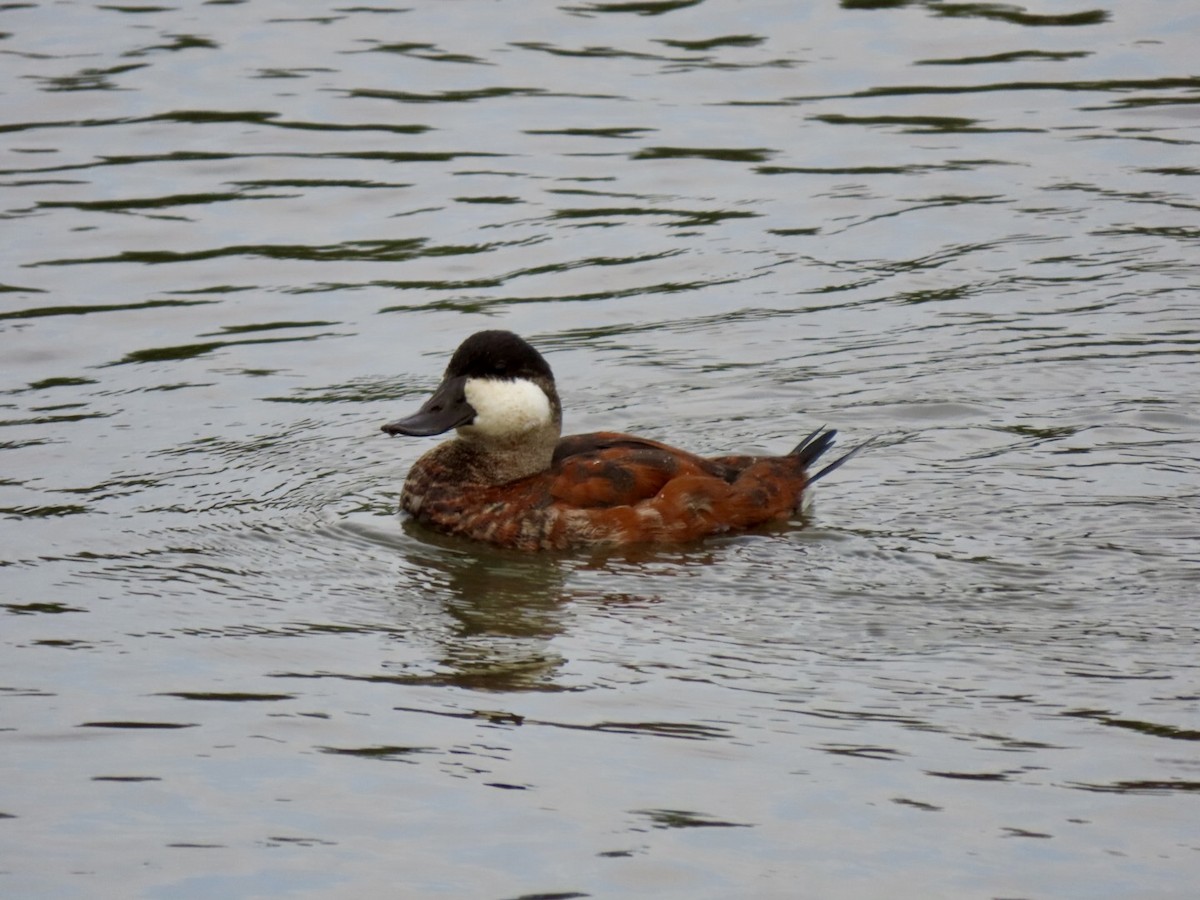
(497, 390)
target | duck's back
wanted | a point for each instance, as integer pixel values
(607, 469)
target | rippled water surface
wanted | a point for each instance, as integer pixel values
(238, 236)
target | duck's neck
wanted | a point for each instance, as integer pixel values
(490, 460)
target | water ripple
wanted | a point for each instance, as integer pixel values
(247, 238)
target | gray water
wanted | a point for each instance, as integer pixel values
(238, 236)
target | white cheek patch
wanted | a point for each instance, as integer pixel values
(506, 408)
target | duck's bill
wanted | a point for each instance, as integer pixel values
(447, 408)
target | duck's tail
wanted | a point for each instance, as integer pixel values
(809, 450)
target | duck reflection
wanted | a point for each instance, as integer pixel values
(504, 610)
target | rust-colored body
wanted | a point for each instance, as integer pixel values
(606, 489)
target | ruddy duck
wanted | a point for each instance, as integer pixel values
(510, 479)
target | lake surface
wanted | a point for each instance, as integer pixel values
(239, 236)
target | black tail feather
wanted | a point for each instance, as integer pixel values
(840, 460)
(812, 447)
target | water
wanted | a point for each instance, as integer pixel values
(240, 236)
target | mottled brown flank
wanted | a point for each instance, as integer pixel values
(604, 489)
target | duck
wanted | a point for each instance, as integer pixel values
(511, 479)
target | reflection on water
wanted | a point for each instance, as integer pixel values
(240, 235)
(504, 612)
